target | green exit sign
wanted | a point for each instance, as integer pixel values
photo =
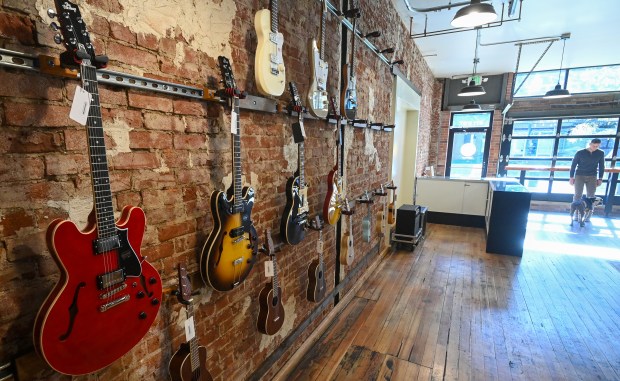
(476, 78)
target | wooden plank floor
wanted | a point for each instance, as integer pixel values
(450, 311)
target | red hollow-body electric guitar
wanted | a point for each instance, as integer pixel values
(107, 296)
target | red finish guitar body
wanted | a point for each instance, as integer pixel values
(82, 327)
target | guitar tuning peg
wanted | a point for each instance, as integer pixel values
(58, 38)
(54, 26)
(51, 13)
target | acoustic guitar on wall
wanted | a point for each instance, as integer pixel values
(229, 253)
(271, 311)
(108, 295)
(189, 362)
(269, 64)
(317, 92)
(316, 270)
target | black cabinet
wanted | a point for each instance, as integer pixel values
(506, 219)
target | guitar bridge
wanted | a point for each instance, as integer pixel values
(114, 303)
(104, 245)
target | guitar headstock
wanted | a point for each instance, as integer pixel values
(75, 36)
(296, 99)
(228, 79)
(185, 286)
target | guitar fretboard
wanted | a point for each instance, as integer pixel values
(193, 344)
(322, 43)
(100, 176)
(300, 161)
(237, 183)
(273, 5)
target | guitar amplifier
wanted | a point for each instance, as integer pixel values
(410, 224)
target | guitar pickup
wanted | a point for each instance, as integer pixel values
(236, 232)
(110, 279)
(104, 245)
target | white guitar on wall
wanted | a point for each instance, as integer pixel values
(269, 64)
(317, 93)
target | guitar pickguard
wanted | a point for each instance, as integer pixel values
(276, 59)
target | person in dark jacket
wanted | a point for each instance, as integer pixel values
(583, 170)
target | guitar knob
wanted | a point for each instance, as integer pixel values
(142, 315)
(140, 294)
(51, 13)
(154, 301)
(152, 280)
(54, 26)
(58, 39)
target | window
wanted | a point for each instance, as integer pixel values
(468, 144)
(595, 79)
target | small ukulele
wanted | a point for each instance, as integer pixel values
(271, 310)
(392, 207)
(316, 272)
(347, 253)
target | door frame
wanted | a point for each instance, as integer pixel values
(487, 146)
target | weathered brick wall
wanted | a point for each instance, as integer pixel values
(167, 154)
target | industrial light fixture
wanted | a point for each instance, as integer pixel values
(472, 90)
(558, 91)
(471, 106)
(474, 14)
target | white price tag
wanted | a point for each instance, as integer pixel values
(190, 331)
(303, 130)
(269, 269)
(233, 122)
(80, 106)
(319, 246)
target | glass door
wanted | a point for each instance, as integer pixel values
(468, 153)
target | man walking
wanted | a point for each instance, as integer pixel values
(583, 170)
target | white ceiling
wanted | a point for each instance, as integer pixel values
(593, 24)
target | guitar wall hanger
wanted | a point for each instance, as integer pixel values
(317, 223)
(361, 123)
(379, 192)
(377, 126)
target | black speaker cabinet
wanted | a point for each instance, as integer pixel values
(410, 224)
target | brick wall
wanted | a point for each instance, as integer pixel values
(167, 154)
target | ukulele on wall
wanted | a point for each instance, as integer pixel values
(229, 253)
(268, 63)
(188, 363)
(316, 270)
(108, 295)
(348, 95)
(381, 220)
(271, 310)
(392, 207)
(317, 93)
(333, 198)
(347, 253)
(295, 216)
(367, 220)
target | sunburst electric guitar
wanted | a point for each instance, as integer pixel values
(295, 217)
(271, 311)
(230, 251)
(333, 198)
(317, 92)
(108, 295)
(268, 64)
(188, 363)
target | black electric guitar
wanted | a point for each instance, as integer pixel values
(348, 95)
(295, 217)
(230, 251)
(188, 363)
(316, 270)
(271, 310)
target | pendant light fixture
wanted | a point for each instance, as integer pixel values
(472, 90)
(474, 14)
(558, 91)
(472, 106)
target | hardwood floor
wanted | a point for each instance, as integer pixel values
(450, 311)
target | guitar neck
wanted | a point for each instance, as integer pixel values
(236, 141)
(99, 172)
(300, 163)
(273, 6)
(193, 343)
(321, 251)
(276, 283)
(323, 20)
(354, 37)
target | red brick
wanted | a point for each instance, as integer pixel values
(28, 141)
(122, 32)
(191, 142)
(155, 121)
(75, 140)
(29, 86)
(128, 198)
(168, 46)
(135, 160)
(166, 233)
(148, 41)
(13, 220)
(25, 114)
(176, 159)
(132, 118)
(189, 107)
(17, 27)
(160, 251)
(114, 96)
(151, 179)
(20, 168)
(150, 140)
(66, 164)
(132, 56)
(150, 101)
(99, 26)
(26, 246)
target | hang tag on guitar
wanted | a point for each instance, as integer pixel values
(190, 331)
(80, 106)
(319, 246)
(269, 269)
(233, 122)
